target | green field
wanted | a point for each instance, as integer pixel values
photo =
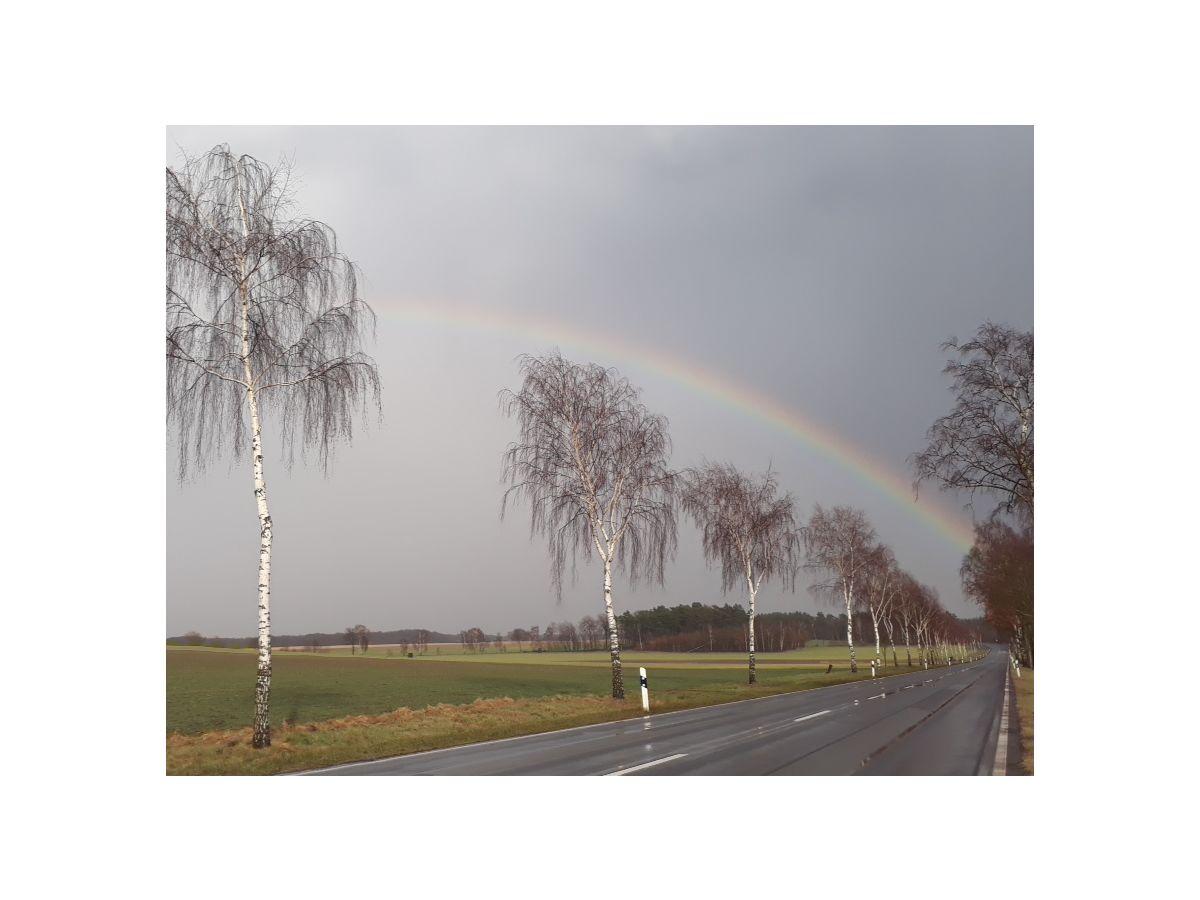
(331, 707)
(210, 689)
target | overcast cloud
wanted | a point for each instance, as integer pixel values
(819, 266)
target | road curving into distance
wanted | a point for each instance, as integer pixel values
(944, 721)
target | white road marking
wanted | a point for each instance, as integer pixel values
(655, 762)
(1000, 766)
(823, 712)
(877, 697)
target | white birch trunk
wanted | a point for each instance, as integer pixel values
(890, 625)
(750, 636)
(875, 622)
(614, 649)
(262, 687)
(849, 595)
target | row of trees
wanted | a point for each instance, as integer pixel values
(592, 462)
(590, 634)
(682, 628)
(861, 573)
(196, 639)
(474, 640)
(699, 627)
(984, 446)
(593, 465)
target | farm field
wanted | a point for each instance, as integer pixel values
(210, 689)
(329, 708)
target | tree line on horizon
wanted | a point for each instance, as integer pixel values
(694, 627)
(265, 321)
(417, 637)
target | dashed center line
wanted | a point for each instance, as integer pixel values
(823, 712)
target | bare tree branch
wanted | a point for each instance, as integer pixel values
(986, 442)
(304, 316)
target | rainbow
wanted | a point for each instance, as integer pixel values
(737, 397)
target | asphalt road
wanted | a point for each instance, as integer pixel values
(944, 721)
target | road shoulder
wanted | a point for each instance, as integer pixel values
(1023, 693)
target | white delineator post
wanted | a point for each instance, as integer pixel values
(645, 690)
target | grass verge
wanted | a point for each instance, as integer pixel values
(1023, 688)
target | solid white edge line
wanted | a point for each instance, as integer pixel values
(1000, 766)
(647, 765)
(813, 716)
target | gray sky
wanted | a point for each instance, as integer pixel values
(817, 267)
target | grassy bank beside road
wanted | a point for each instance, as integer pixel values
(1023, 689)
(329, 709)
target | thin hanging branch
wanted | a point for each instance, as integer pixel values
(306, 319)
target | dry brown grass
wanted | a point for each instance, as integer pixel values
(1023, 688)
(353, 738)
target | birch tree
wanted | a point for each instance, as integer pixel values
(264, 323)
(882, 582)
(926, 612)
(907, 603)
(592, 462)
(747, 527)
(839, 544)
(889, 624)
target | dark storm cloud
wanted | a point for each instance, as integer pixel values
(819, 266)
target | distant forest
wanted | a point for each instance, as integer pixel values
(698, 628)
(693, 628)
